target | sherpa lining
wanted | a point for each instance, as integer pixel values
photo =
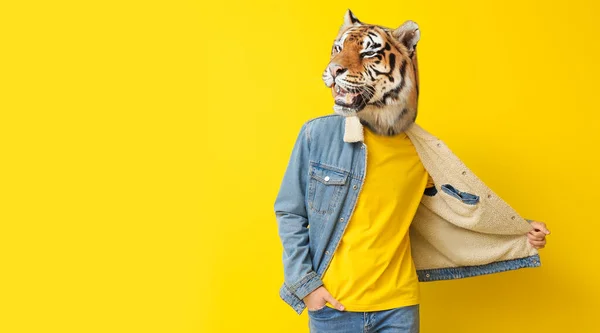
(353, 130)
(447, 232)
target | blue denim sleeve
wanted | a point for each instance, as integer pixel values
(292, 221)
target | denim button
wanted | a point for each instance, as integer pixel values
(427, 275)
(512, 217)
(354, 187)
(326, 252)
(326, 178)
(341, 219)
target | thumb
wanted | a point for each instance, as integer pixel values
(333, 301)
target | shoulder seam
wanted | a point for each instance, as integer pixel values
(325, 116)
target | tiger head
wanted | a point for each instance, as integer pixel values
(373, 73)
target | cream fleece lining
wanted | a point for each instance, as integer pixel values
(447, 232)
(353, 130)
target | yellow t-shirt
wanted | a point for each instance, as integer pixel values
(372, 268)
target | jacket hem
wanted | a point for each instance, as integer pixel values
(436, 274)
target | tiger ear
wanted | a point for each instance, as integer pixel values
(408, 34)
(349, 20)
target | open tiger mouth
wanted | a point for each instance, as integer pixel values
(349, 98)
(344, 97)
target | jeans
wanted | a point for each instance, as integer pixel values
(398, 320)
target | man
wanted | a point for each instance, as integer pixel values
(359, 212)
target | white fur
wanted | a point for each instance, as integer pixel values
(353, 129)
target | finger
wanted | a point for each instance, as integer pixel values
(537, 235)
(540, 226)
(534, 238)
(537, 243)
(334, 302)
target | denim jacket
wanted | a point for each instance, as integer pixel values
(461, 227)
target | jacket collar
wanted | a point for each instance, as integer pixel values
(354, 131)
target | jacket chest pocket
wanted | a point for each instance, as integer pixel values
(325, 188)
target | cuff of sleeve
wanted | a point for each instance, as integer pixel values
(291, 299)
(294, 296)
(306, 285)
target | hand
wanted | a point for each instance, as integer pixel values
(537, 236)
(319, 297)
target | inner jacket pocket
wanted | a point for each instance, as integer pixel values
(430, 191)
(465, 197)
(325, 188)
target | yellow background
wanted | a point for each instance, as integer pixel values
(142, 144)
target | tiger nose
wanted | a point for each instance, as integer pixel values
(336, 69)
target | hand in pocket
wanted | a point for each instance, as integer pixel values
(318, 298)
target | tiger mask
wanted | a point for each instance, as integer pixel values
(373, 74)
